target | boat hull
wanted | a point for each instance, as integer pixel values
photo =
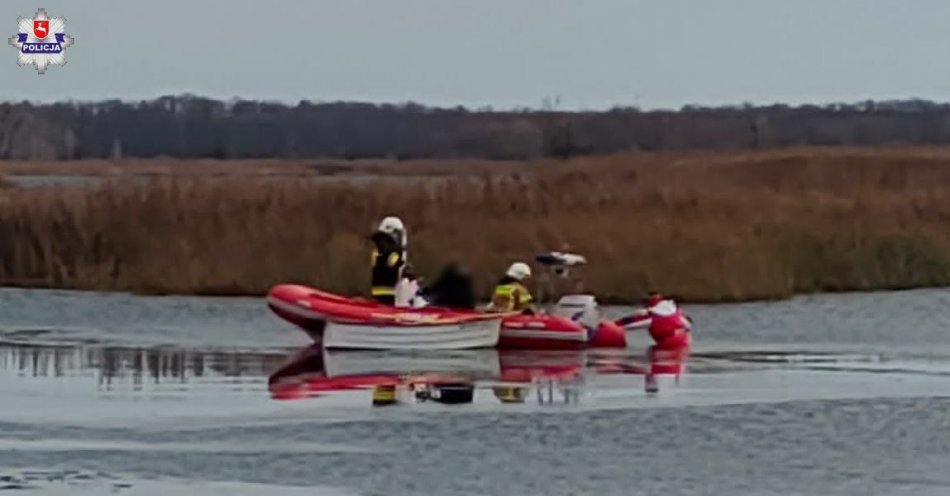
(450, 336)
(479, 364)
(549, 332)
(338, 322)
(542, 332)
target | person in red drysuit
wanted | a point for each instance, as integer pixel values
(669, 326)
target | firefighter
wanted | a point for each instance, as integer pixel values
(511, 294)
(388, 260)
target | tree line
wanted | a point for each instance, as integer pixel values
(194, 127)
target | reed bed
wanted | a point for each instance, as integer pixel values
(702, 226)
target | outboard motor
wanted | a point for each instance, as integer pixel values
(576, 305)
(581, 308)
(557, 277)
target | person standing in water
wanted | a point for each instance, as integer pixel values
(388, 259)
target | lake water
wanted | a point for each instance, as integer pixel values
(119, 394)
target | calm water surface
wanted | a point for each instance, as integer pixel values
(118, 394)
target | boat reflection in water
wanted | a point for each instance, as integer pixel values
(130, 368)
(461, 377)
(384, 377)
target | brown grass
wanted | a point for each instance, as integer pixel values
(703, 226)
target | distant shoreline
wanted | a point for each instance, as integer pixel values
(206, 128)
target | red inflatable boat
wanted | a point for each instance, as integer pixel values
(572, 323)
(352, 323)
(554, 332)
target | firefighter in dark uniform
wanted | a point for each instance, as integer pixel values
(388, 260)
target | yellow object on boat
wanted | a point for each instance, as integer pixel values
(384, 395)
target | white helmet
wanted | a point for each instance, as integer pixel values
(519, 271)
(394, 228)
(391, 226)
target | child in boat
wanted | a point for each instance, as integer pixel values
(388, 259)
(511, 294)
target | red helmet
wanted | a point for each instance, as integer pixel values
(654, 299)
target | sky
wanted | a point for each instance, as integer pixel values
(587, 54)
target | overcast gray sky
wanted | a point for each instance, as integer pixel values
(504, 53)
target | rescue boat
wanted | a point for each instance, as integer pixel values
(562, 329)
(339, 322)
(573, 322)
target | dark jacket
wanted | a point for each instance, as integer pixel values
(453, 289)
(387, 264)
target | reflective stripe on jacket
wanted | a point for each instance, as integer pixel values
(511, 297)
(387, 270)
(383, 291)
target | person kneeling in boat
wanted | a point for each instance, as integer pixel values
(511, 294)
(388, 260)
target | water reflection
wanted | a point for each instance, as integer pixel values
(136, 366)
(508, 377)
(385, 377)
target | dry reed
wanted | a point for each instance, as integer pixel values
(703, 226)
